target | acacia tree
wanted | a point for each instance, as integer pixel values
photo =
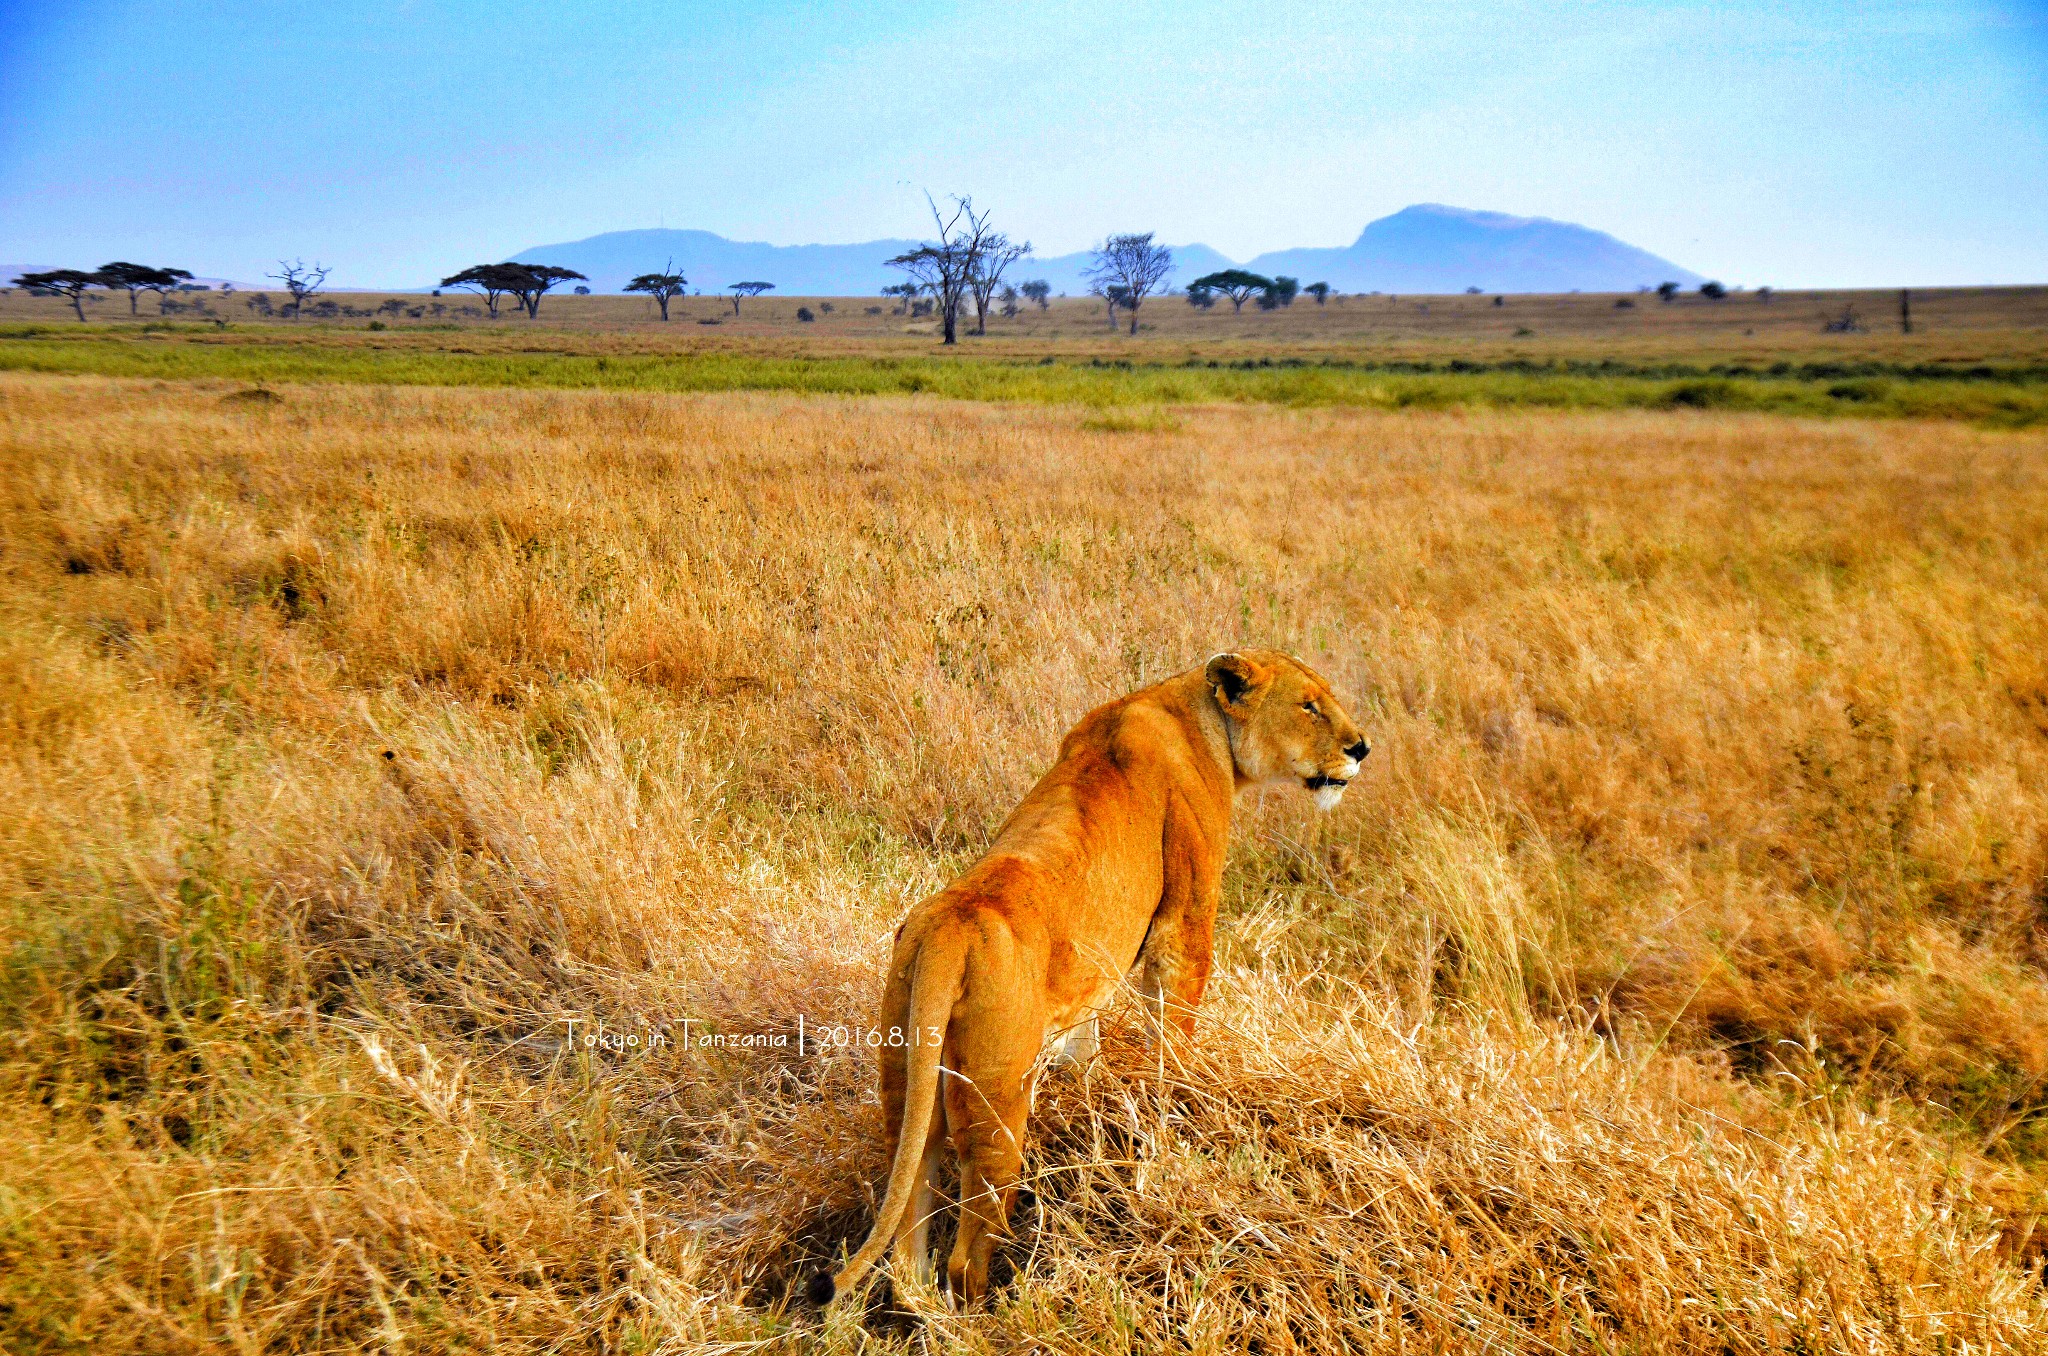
(998, 252)
(1038, 290)
(1668, 291)
(130, 278)
(492, 282)
(1133, 265)
(134, 278)
(747, 289)
(531, 282)
(905, 294)
(69, 283)
(945, 268)
(1240, 285)
(661, 286)
(1114, 295)
(1319, 290)
(167, 281)
(301, 279)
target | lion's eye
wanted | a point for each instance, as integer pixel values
(1310, 707)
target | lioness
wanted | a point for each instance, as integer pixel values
(1114, 861)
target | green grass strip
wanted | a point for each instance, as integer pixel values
(2018, 399)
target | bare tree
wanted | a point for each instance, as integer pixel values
(69, 283)
(302, 280)
(1133, 264)
(663, 286)
(747, 289)
(998, 252)
(947, 267)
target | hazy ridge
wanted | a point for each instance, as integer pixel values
(1424, 248)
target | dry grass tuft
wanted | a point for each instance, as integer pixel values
(1673, 981)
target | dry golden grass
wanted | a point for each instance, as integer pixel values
(1672, 982)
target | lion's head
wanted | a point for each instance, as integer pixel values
(1286, 724)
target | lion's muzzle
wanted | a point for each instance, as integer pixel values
(1329, 786)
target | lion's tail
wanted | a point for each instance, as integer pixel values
(935, 986)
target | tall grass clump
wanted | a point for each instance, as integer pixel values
(434, 817)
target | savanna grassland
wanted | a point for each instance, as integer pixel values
(1950, 324)
(1675, 979)
(1974, 354)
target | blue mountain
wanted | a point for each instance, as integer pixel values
(711, 263)
(1426, 248)
(1067, 272)
(1430, 248)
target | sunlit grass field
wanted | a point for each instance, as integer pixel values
(1673, 980)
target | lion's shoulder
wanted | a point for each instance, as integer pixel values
(1128, 732)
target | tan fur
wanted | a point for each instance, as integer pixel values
(1110, 866)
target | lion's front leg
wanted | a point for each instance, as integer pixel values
(1173, 972)
(1180, 947)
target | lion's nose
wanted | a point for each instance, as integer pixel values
(1356, 752)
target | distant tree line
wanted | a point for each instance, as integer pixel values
(72, 284)
(300, 279)
(966, 262)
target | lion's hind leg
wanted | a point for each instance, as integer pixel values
(913, 1245)
(986, 1118)
(1079, 1043)
(991, 1165)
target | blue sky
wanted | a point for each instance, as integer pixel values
(1793, 144)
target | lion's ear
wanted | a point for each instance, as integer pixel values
(1239, 683)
